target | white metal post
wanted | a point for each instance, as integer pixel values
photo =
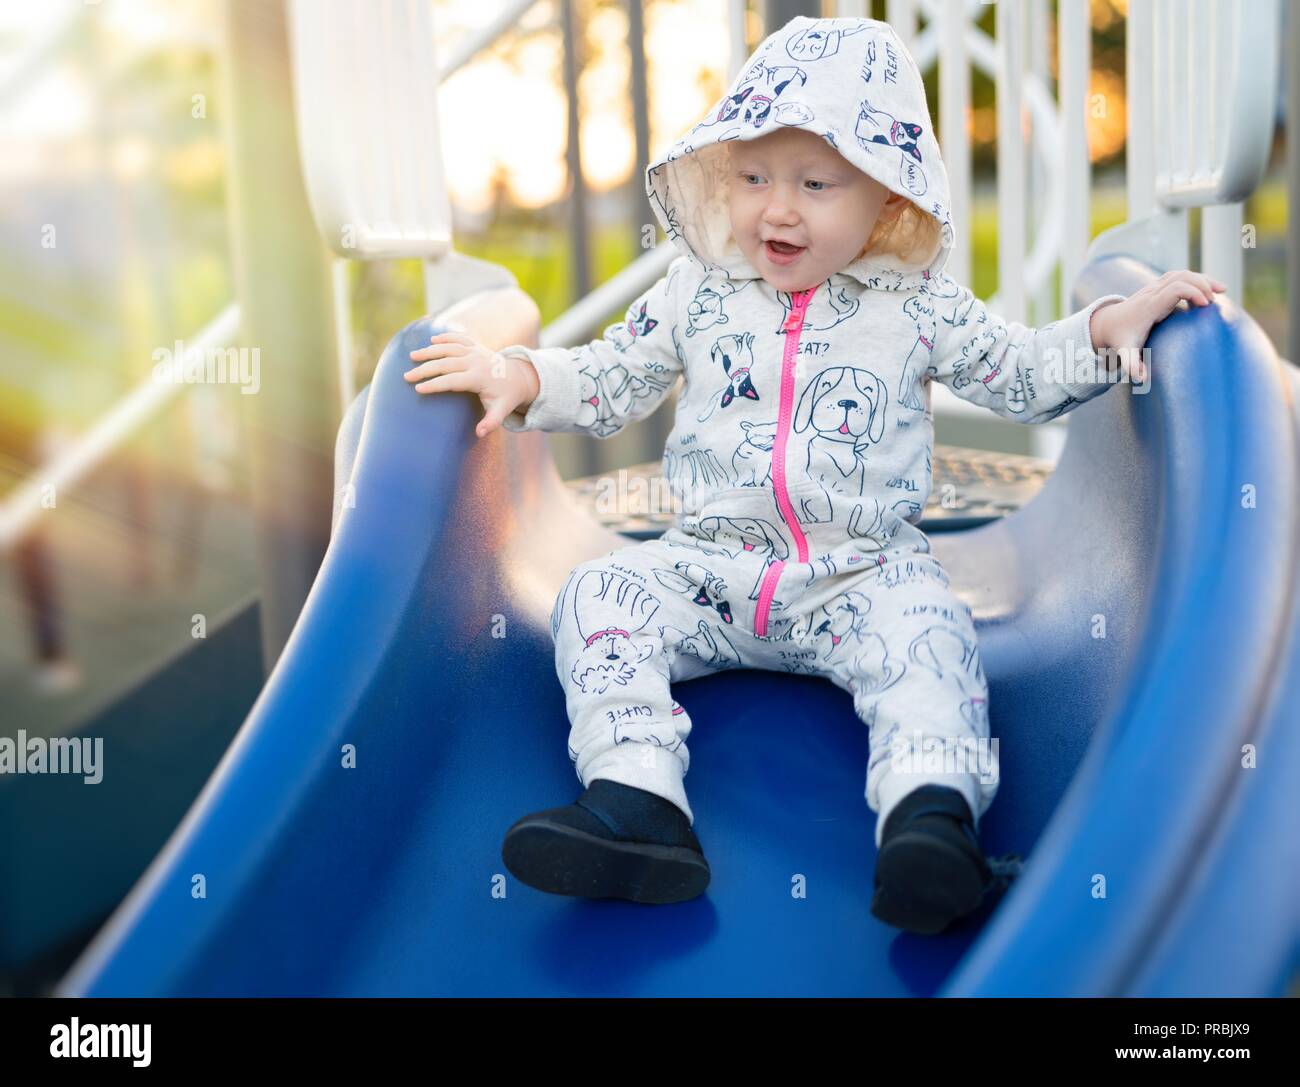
(954, 108)
(1011, 163)
(1038, 63)
(1075, 52)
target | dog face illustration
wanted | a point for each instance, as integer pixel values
(758, 436)
(730, 106)
(874, 669)
(705, 310)
(668, 734)
(922, 313)
(736, 353)
(954, 659)
(752, 460)
(635, 324)
(742, 535)
(827, 627)
(608, 660)
(792, 114)
(754, 99)
(589, 399)
(908, 509)
(942, 286)
(877, 126)
(813, 43)
(610, 609)
(708, 644)
(975, 363)
(638, 324)
(843, 404)
(703, 587)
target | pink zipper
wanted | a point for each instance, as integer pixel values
(793, 324)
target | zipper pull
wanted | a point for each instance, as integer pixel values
(800, 301)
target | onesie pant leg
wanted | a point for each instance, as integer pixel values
(626, 625)
(913, 667)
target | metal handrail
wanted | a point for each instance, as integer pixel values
(20, 510)
(577, 322)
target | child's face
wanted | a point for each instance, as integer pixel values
(791, 185)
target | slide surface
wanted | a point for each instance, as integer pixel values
(1139, 629)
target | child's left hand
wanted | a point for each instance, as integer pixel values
(1125, 326)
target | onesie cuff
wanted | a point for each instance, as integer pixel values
(1088, 360)
(555, 406)
(895, 786)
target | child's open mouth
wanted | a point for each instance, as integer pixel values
(781, 253)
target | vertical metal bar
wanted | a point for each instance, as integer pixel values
(954, 104)
(901, 15)
(650, 437)
(1200, 118)
(776, 13)
(578, 232)
(343, 333)
(1037, 56)
(1011, 164)
(738, 37)
(642, 213)
(1212, 77)
(1157, 79)
(282, 276)
(1229, 75)
(1221, 253)
(1139, 158)
(1176, 115)
(1074, 44)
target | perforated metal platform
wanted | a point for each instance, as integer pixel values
(970, 487)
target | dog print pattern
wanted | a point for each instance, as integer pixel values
(799, 459)
(631, 623)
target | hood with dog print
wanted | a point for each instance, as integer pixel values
(851, 82)
(803, 425)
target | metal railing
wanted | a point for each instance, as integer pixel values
(1166, 55)
(29, 500)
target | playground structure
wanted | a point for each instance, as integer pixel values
(1121, 756)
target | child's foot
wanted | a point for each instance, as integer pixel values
(931, 869)
(614, 841)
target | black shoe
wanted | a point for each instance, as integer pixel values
(614, 841)
(931, 869)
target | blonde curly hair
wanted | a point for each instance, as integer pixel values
(910, 234)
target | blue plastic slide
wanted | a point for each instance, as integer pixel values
(1148, 776)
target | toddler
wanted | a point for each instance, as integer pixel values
(808, 314)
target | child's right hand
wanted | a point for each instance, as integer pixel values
(454, 362)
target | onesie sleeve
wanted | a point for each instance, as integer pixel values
(602, 386)
(1024, 374)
